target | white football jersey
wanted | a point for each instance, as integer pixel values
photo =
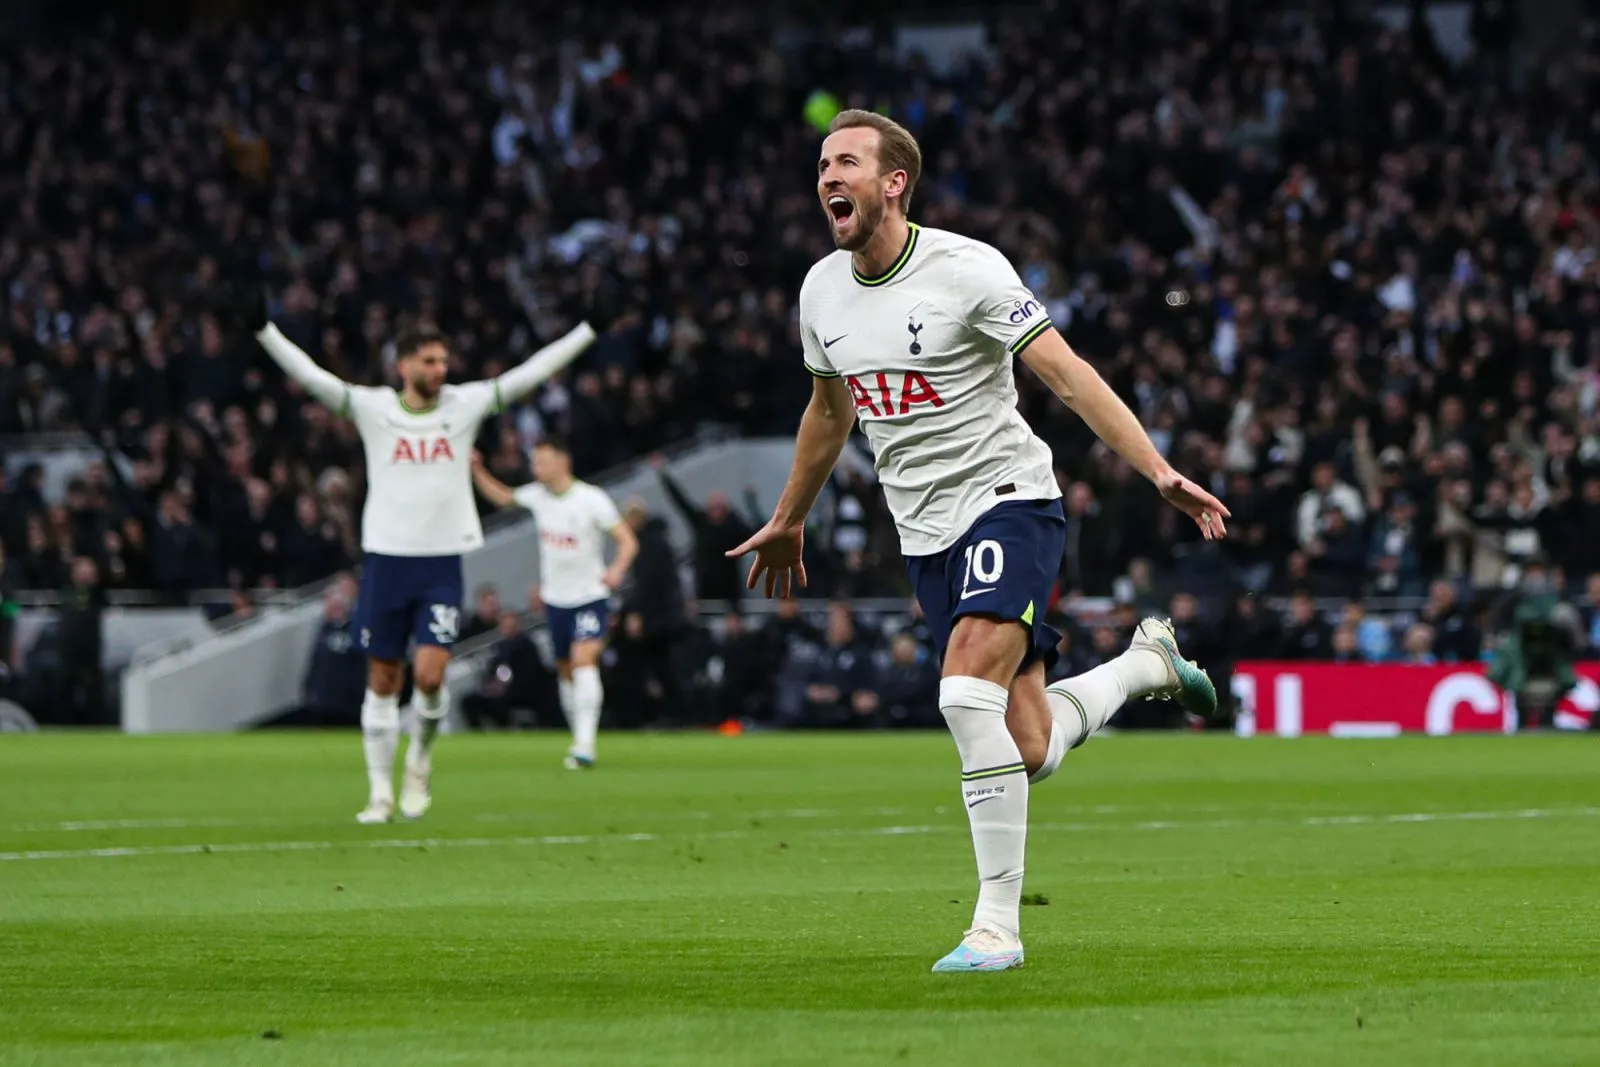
(573, 530)
(419, 469)
(926, 349)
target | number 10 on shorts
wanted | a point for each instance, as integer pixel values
(985, 562)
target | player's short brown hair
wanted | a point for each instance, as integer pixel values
(897, 149)
(410, 342)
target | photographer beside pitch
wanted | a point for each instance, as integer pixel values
(912, 331)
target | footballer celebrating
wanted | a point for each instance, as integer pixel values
(420, 518)
(575, 521)
(912, 331)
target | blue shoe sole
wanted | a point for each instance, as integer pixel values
(949, 965)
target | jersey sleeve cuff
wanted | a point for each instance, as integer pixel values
(1016, 347)
(817, 372)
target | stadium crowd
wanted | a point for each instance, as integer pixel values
(1352, 286)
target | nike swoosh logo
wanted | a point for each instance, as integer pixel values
(836, 340)
(975, 592)
(982, 800)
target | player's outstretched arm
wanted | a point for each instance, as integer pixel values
(1082, 389)
(489, 487)
(543, 365)
(249, 304)
(824, 429)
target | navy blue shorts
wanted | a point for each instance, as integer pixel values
(570, 625)
(1004, 567)
(405, 598)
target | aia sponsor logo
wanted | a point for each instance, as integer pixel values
(422, 450)
(556, 539)
(886, 393)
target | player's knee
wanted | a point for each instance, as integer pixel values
(384, 677)
(585, 654)
(987, 648)
(428, 677)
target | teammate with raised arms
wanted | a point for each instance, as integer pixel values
(420, 518)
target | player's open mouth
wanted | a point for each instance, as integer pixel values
(840, 208)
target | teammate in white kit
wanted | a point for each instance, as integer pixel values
(913, 331)
(420, 517)
(575, 521)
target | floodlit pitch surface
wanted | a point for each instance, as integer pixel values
(778, 900)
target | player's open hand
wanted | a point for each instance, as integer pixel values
(778, 552)
(1206, 510)
(245, 300)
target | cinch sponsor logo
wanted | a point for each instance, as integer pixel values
(1022, 311)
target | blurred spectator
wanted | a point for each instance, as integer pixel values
(81, 642)
(1072, 654)
(519, 687)
(1322, 507)
(183, 557)
(1252, 633)
(1347, 646)
(1395, 560)
(698, 668)
(656, 592)
(904, 688)
(1086, 567)
(311, 549)
(1305, 635)
(1456, 635)
(9, 611)
(336, 678)
(485, 615)
(1417, 647)
(717, 529)
(639, 683)
(841, 669)
(745, 670)
(1374, 639)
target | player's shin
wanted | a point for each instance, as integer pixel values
(1055, 752)
(380, 738)
(429, 710)
(564, 688)
(994, 787)
(587, 698)
(1082, 704)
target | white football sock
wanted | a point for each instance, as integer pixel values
(428, 711)
(380, 738)
(1084, 703)
(1054, 752)
(994, 787)
(564, 686)
(587, 698)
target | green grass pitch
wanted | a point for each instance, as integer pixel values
(702, 901)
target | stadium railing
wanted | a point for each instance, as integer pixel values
(250, 668)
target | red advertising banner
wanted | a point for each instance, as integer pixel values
(1384, 700)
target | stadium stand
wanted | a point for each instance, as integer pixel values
(1345, 268)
